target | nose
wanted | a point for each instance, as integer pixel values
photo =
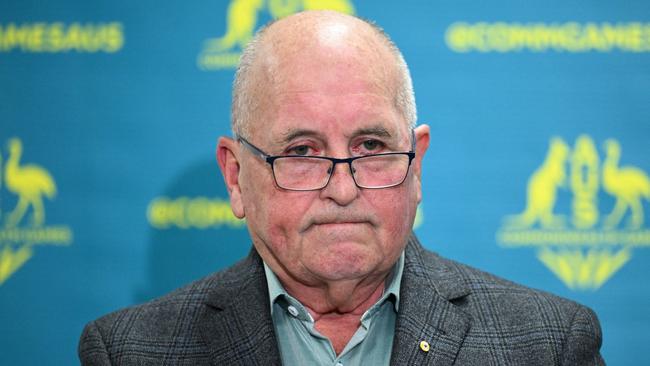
(341, 187)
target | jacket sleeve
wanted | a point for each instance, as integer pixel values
(92, 350)
(582, 345)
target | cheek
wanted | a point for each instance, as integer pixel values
(274, 214)
(286, 213)
(397, 209)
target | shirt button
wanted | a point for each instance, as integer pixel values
(339, 364)
(292, 310)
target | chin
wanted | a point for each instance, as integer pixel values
(346, 234)
(345, 260)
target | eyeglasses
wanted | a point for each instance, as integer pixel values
(311, 173)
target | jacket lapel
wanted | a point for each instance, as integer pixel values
(426, 312)
(236, 321)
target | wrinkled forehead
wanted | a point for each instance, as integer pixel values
(335, 102)
(340, 115)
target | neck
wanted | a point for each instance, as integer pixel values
(611, 160)
(14, 156)
(335, 306)
(337, 299)
(339, 327)
(321, 297)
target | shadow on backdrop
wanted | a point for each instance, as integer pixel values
(193, 231)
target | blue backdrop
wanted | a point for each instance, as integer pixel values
(110, 111)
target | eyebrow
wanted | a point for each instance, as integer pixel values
(377, 130)
(295, 133)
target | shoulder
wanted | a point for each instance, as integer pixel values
(491, 299)
(507, 318)
(166, 322)
(170, 306)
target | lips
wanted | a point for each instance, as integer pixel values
(339, 220)
(340, 223)
(339, 232)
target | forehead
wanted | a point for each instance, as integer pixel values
(333, 115)
(332, 91)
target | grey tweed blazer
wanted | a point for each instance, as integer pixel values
(467, 316)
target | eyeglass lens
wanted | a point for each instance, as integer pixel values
(307, 173)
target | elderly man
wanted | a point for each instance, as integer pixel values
(325, 166)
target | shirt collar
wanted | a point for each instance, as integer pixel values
(394, 281)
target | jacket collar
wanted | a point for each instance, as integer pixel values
(235, 321)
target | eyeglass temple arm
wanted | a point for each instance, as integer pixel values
(253, 148)
(413, 139)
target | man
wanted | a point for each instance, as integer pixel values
(325, 166)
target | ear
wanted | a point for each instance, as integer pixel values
(227, 157)
(421, 145)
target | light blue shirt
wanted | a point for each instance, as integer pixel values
(301, 344)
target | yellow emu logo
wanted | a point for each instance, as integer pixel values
(628, 184)
(30, 183)
(23, 226)
(587, 248)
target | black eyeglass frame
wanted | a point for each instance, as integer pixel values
(272, 158)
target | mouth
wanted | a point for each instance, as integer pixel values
(331, 227)
(340, 223)
(326, 226)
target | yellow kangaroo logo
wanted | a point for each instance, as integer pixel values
(241, 18)
(542, 190)
(240, 23)
(30, 183)
(627, 184)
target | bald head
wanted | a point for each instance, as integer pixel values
(316, 42)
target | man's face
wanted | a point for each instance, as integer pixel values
(324, 107)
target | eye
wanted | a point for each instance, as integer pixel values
(299, 150)
(372, 145)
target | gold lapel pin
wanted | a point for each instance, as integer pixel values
(424, 346)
